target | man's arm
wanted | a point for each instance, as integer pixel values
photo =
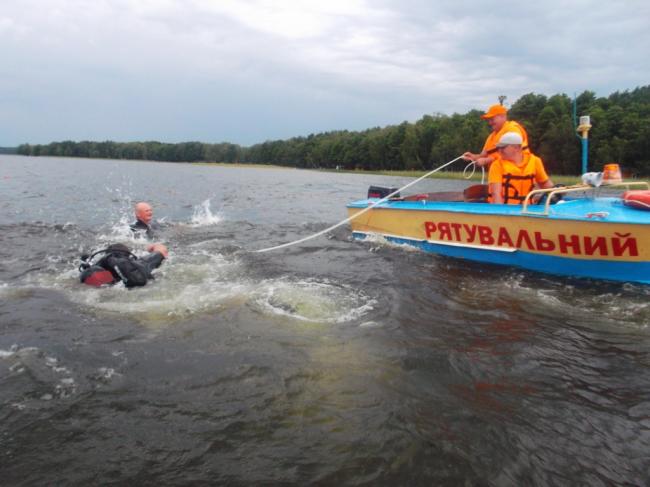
(495, 185)
(495, 192)
(546, 184)
(470, 156)
(151, 261)
(484, 159)
(158, 253)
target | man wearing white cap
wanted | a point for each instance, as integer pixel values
(515, 172)
(497, 119)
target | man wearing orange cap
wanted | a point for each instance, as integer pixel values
(497, 119)
(515, 173)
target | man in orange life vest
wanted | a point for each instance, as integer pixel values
(515, 172)
(497, 119)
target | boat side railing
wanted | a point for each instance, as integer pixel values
(551, 192)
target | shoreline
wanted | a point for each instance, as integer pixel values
(455, 175)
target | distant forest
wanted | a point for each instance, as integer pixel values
(620, 133)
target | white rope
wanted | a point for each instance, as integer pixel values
(472, 164)
(385, 198)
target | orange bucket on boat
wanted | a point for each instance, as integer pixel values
(612, 174)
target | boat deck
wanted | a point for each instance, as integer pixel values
(579, 209)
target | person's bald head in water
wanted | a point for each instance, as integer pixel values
(144, 212)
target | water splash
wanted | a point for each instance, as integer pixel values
(185, 284)
(378, 241)
(203, 215)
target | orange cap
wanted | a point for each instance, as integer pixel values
(494, 110)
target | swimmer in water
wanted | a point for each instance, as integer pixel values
(144, 223)
(120, 265)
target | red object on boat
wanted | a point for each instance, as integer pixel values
(639, 199)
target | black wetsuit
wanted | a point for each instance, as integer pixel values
(140, 228)
(123, 266)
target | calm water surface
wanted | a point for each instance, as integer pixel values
(335, 362)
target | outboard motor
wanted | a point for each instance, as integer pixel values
(380, 192)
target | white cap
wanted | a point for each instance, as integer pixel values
(510, 138)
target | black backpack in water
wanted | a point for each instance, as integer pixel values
(120, 262)
(126, 269)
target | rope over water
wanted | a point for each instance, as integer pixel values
(370, 207)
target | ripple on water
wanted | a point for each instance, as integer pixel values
(595, 303)
(45, 376)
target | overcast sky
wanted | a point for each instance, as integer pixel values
(246, 71)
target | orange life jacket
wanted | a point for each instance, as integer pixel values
(510, 126)
(518, 181)
(516, 188)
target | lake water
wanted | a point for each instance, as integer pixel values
(334, 362)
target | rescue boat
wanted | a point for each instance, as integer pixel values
(584, 234)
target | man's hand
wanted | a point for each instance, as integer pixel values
(158, 247)
(483, 161)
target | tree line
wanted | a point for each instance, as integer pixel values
(620, 133)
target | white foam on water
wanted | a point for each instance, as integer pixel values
(190, 281)
(184, 285)
(381, 241)
(312, 301)
(121, 232)
(369, 324)
(197, 280)
(123, 214)
(203, 215)
(106, 373)
(203, 281)
(8, 353)
(65, 388)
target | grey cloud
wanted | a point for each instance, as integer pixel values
(183, 70)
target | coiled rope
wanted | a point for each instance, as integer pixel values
(472, 164)
(347, 220)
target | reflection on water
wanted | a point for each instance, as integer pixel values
(333, 362)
